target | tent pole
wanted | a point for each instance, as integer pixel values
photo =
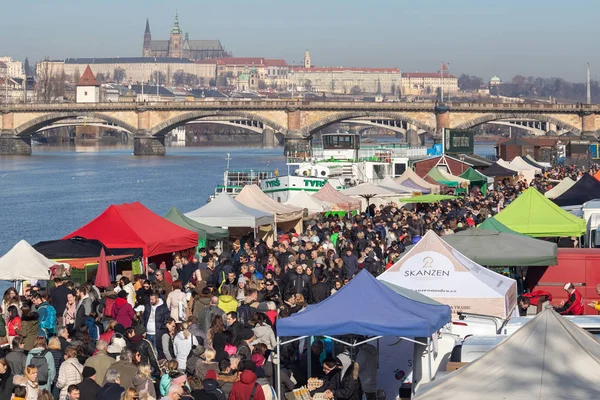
(429, 357)
(278, 369)
(309, 355)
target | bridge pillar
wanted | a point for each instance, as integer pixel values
(588, 125)
(296, 142)
(14, 145)
(442, 118)
(293, 120)
(149, 145)
(268, 138)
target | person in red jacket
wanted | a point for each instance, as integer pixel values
(122, 311)
(246, 387)
(574, 304)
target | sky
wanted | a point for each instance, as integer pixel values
(478, 37)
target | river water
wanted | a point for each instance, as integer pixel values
(58, 189)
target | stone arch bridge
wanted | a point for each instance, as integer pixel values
(296, 121)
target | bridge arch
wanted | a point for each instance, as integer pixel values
(170, 124)
(499, 116)
(29, 128)
(308, 130)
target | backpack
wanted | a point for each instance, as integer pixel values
(39, 360)
(244, 314)
(48, 323)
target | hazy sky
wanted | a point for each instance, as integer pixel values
(481, 37)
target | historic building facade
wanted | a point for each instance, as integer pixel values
(427, 83)
(179, 45)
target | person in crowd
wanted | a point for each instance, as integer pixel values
(54, 347)
(116, 346)
(206, 363)
(263, 331)
(47, 315)
(166, 351)
(142, 295)
(13, 322)
(70, 372)
(58, 298)
(177, 303)
(142, 381)
(70, 310)
(367, 362)
(109, 331)
(10, 298)
(41, 357)
(207, 315)
(349, 386)
(183, 344)
(209, 389)
(227, 303)
(29, 327)
(73, 392)
(155, 317)
(83, 308)
(112, 389)
(217, 326)
(30, 382)
(100, 362)
(574, 303)
(140, 344)
(125, 368)
(130, 394)
(16, 358)
(6, 380)
(122, 311)
(89, 386)
(245, 387)
(126, 285)
(171, 371)
(161, 285)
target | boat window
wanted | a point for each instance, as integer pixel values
(339, 141)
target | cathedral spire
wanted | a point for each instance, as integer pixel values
(147, 31)
(176, 29)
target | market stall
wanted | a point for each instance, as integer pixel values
(477, 179)
(368, 191)
(312, 205)
(285, 216)
(560, 188)
(549, 358)
(339, 202)
(205, 232)
(534, 215)
(132, 225)
(411, 179)
(585, 189)
(436, 269)
(24, 263)
(448, 179)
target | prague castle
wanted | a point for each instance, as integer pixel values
(179, 45)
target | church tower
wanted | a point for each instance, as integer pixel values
(176, 40)
(147, 51)
(306, 59)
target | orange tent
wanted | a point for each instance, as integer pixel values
(597, 175)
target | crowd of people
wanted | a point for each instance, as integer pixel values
(204, 326)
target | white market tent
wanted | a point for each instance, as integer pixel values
(528, 173)
(549, 358)
(521, 164)
(23, 263)
(543, 164)
(411, 176)
(560, 188)
(304, 200)
(251, 196)
(390, 183)
(225, 211)
(437, 270)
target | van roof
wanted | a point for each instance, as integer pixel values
(594, 203)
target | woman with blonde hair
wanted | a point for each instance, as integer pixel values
(142, 381)
(56, 350)
(130, 394)
(183, 344)
(32, 386)
(165, 380)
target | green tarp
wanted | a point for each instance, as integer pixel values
(205, 232)
(477, 179)
(502, 249)
(492, 224)
(428, 198)
(534, 215)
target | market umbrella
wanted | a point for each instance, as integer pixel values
(102, 278)
(369, 190)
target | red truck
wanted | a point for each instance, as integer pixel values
(578, 266)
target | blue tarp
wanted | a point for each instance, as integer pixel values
(366, 307)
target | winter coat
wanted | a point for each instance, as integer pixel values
(202, 367)
(242, 390)
(127, 371)
(299, 284)
(51, 368)
(12, 325)
(173, 300)
(58, 356)
(367, 361)
(142, 383)
(6, 384)
(17, 361)
(182, 347)
(264, 334)
(110, 391)
(88, 389)
(69, 374)
(211, 391)
(227, 303)
(226, 382)
(101, 362)
(161, 314)
(29, 330)
(147, 353)
(319, 292)
(84, 308)
(349, 388)
(123, 312)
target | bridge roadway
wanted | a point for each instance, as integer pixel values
(296, 121)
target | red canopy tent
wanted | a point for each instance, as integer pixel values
(132, 225)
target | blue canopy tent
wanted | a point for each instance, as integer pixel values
(368, 307)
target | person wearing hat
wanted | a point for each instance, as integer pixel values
(246, 337)
(122, 310)
(211, 390)
(246, 386)
(89, 387)
(574, 303)
(100, 362)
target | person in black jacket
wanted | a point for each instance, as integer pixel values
(158, 312)
(298, 283)
(6, 380)
(320, 291)
(58, 297)
(112, 388)
(138, 343)
(349, 386)
(88, 388)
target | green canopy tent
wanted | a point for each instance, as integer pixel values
(477, 179)
(427, 198)
(459, 184)
(205, 232)
(533, 214)
(492, 224)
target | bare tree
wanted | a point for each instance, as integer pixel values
(100, 77)
(45, 83)
(355, 90)
(307, 85)
(76, 76)
(119, 74)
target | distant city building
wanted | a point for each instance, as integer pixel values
(134, 69)
(269, 72)
(495, 81)
(345, 80)
(179, 45)
(248, 80)
(3, 70)
(427, 83)
(14, 68)
(88, 89)
(307, 59)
